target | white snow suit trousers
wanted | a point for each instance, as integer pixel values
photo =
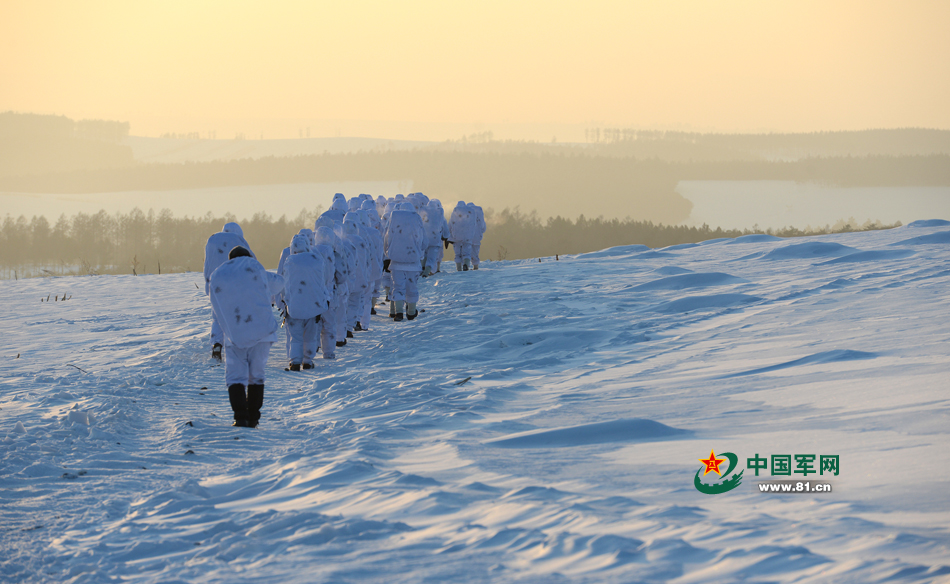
(328, 328)
(217, 333)
(246, 366)
(432, 257)
(303, 339)
(367, 304)
(340, 301)
(354, 308)
(405, 285)
(287, 334)
(463, 251)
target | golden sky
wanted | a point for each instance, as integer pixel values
(432, 69)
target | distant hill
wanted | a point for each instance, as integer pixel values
(568, 184)
(624, 143)
(688, 146)
(577, 184)
(175, 150)
(619, 174)
(37, 144)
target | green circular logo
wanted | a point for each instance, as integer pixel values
(712, 465)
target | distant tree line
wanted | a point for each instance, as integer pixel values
(686, 146)
(24, 126)
(513, 234)
(35, 144)
(149, 243)
(184, 136)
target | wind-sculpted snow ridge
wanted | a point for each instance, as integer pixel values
(874, 255)
(834, 356)
(680, 246)
(631, 430)
(671, 271)
(620, 250)
(929, 223)
(690, 280)
(716, 241)
(539, 422)
(650, 255)
(940, 237)
(809, 249)
(754, 238)
(707, 302)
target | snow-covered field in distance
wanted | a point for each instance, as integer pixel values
(776, 204)
(594, 385)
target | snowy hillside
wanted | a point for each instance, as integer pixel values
(540, 422)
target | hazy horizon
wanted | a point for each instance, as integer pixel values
(432, 71)
(255, 79)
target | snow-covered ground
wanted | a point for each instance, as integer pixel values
(540, 422)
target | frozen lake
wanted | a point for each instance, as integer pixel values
(776, 204)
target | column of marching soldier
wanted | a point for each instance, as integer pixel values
(327, 284)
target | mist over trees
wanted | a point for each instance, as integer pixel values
(102, 243)
(577, 184)
(150, 243)
(617, 173)
(566, 185)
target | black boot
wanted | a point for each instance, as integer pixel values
(255, 400)
(341, 343)
(238, 404)
(294, 367)
(349, 334)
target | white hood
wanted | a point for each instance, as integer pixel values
(233, 227)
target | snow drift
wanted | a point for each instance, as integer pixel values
(540, 422)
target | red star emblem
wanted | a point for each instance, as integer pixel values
(712, 463)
